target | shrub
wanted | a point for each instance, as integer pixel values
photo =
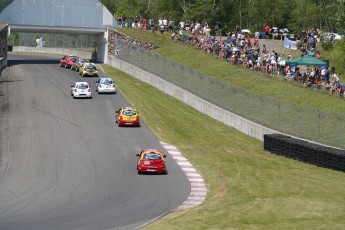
(327, 45)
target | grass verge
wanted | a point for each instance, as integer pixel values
(248, 187)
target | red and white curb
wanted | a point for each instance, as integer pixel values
(198, 187)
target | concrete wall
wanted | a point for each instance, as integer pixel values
(3, 63)
(61, 51)
(3, 40)
(248, 127)
(102, 46)
(3, 46)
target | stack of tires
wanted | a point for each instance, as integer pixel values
(312, 153)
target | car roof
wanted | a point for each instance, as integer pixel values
(81, 83)
(151, 150)
(128, 108)
(101, 79)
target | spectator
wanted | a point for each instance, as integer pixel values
(161, 29)
(267, 31)
(171, 25)
(165, 24)
(181, 24)
(207, 31)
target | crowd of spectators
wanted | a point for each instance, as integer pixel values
(244, 49)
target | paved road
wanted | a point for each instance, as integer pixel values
(64, 162)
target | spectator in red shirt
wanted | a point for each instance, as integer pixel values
(267, 31)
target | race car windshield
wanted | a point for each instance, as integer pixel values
(91, 67)
(83, 86)
(152, 156)
(129, 113)
(107, 82)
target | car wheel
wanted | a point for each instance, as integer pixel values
(139, 172)
(118, 124)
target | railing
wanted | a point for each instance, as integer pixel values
(298, 120)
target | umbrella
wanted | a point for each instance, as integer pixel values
(245, 31)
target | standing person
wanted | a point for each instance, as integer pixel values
(161, 28)
(216, 28)
(165, 24)
(152, 25)
(144, 24)
(264, 48)
(207, 31)
(267, 31)
(171, 25)
(181, 24)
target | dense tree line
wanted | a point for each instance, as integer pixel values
(4, 3)
(297, 15)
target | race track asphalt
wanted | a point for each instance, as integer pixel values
(64, 162)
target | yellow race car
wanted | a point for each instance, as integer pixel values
(127, 116)
(88, 69)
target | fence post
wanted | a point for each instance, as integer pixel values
(298, 116)
(248, 102)
(201, 85)
(222, 97)
(279, 115)
(262, 110)
(319, 123)
(341, 131)
(235, 99)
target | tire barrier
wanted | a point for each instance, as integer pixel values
(304, 151)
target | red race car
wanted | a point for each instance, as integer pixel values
(67, 61)
(151, 161)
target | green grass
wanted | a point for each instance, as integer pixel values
(248, 188)
(237, 76)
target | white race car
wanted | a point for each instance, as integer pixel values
(105, 85)
(81, 89)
